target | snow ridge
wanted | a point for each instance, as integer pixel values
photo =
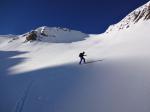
(59, 35)
(140, 14)
(52, 35)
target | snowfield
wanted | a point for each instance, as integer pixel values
(44, 76)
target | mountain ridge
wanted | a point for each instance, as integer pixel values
(142, 13)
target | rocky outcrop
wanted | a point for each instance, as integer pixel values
(141, 13)
(32, 36)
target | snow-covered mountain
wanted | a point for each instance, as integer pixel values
(57, 35)
(44, 75)
(140, 14)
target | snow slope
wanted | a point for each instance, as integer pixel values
(44, 76)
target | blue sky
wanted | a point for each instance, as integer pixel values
(89, 16)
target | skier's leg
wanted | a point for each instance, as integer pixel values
(84, 60)
(80, 61)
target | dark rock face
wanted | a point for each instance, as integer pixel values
(148, 13)
(145, 13)
(32, 36)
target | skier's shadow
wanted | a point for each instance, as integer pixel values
(93, 61)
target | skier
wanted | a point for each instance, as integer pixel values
(81, 55)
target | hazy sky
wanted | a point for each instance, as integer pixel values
(89, 16)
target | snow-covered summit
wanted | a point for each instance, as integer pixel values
(50, 29)
(58, 34)
(140, 14)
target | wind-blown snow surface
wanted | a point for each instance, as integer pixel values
(42, 77)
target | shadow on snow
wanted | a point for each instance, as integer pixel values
(6, 61)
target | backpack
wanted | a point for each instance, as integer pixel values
(81, 55)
